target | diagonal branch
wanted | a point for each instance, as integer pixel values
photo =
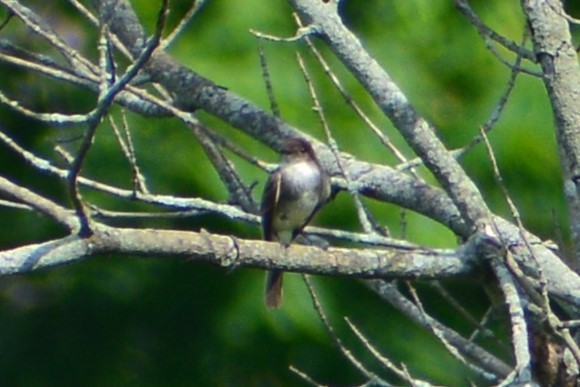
(106, 98)
(486, 360)
(39, 203)
(555, 52)
(487, 33)
(394, 104)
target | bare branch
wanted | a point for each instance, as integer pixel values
(268, 81)
(39, 203)
(337, 341)
(231, 252)
(496, 367)
(440, 334)
(561, 75)
(240, 194)
(185, 20)
(402, 373)
(305, 377)
(36, 24)
(301, 33)
(129, 152)
(530, 272)
(522, 374)
(487, 33)
(106, 97)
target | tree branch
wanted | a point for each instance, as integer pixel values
(232, 252)
(39, 203)
(391, 294)
(556, 54)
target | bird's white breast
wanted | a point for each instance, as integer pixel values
(305, 187)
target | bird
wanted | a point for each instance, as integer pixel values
(294, 192)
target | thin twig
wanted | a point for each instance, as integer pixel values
(221, 141)
(496, 367)
(305, 377)
(9, 16)
(129, 152)
(138, 100)
(481, 326)
(106, 97)
(453, 350)
(106, 214)
(489, 124)
(39, 203)
(403, 374)
(301, 33)
(138, 178)
(240, 194)
(487, 33)
(32, 21)
(570, 324)
(467, 316)
(93, 121)
(558, 7)
(49, 118)
(350, 101)
(363, 214)
(345, 351)
(498, 257)
(522, 374)
(18, 206)
(274, 107)
(505, 62)
(95, 21)
(185, 20)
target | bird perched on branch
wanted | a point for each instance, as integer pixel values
(295, 191)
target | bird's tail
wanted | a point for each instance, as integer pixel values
(273, 294)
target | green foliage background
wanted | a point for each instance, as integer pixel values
(118, 321)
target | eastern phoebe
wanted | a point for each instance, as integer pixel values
(293, 194)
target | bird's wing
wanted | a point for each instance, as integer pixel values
(270, 200)
(324, 196)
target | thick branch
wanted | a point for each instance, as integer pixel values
(232, 252)
(556, 54)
